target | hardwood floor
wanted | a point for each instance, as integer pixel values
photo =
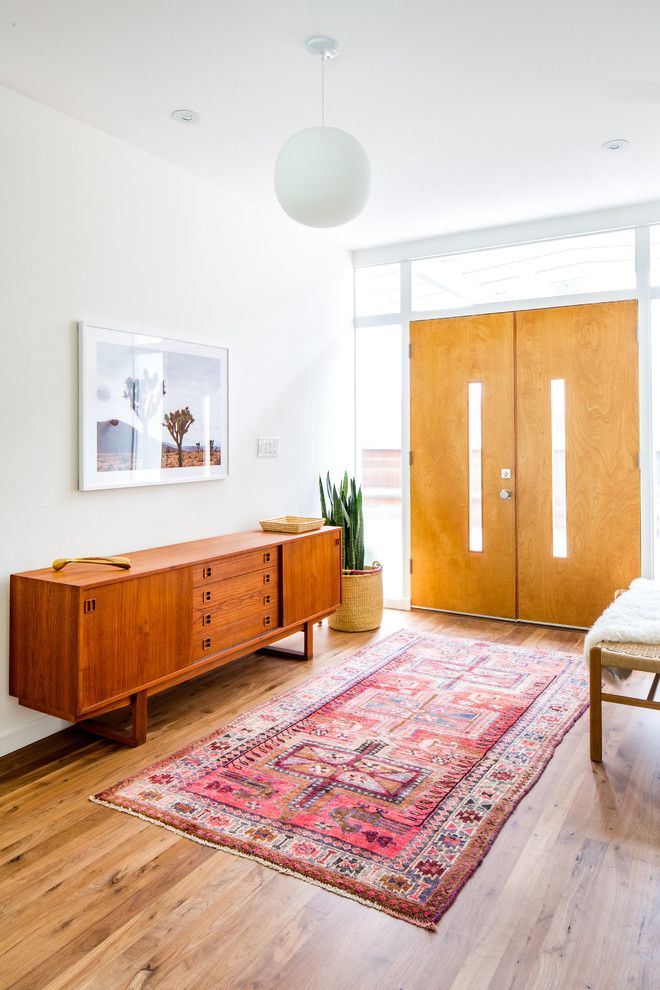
(90, 899)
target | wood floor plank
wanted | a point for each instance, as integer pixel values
(54, 921)
(244, 933)
(154, 940)
(91, 899)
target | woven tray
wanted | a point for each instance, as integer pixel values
(291, 524)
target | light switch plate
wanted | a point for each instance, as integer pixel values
(268, 447)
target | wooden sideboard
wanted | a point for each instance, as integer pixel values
(89, 639)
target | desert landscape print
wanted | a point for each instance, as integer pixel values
(157, 408)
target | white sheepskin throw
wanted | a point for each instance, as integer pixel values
(633, 617)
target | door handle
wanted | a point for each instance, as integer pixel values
(506, 493)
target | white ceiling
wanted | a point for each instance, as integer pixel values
(474, 113)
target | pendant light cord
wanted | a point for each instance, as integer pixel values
(322, 90)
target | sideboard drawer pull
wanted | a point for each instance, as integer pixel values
(268, 599)
(208, 572)
(206, 596)
(90, 605)
(206, 643)
(266, 620)
(267, 557)
(206, 621)
(267, 578)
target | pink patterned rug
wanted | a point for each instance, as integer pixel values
(385, 779)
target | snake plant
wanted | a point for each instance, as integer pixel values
(343, 507)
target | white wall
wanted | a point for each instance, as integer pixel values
(91, 228)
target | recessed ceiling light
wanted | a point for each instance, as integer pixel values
(615, 144)
(186, 116)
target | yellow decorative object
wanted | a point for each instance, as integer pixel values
(61, 562)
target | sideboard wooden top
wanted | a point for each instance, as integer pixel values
(165, 558)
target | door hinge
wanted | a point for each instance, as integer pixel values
(410, 458)
(639, 461)
(411, 565)
(409, 350)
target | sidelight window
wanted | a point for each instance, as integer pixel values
(378, 429)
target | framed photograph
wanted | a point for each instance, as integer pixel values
(153, 411)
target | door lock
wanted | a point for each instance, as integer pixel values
(506, 494)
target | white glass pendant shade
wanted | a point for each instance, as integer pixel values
(322, 177)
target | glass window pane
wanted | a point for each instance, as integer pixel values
(593, 263)
(476, 539)
(378, 424)
(378, 290)
(655, 433)
(558, 440)
(654, 233)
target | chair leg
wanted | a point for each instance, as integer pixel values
(595, 705)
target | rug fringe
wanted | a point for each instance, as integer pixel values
(430, 926)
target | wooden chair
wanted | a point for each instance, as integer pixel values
(630, 656)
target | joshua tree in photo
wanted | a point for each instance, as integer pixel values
(177, 424)
(143, 396)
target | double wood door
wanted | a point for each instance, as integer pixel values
(524, 462)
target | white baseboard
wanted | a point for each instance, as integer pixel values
(34, 730)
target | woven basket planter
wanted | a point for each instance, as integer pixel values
(361, 601)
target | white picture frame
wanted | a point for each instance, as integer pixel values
(152, 410)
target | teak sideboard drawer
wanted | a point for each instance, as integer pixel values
(226, 636)
(215, 596)
(233, 610)
(225, 567)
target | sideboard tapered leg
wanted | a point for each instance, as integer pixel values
(138, 732)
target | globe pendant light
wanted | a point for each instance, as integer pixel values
(322, 174)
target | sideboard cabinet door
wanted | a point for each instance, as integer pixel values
(311, 577)
(133, 633)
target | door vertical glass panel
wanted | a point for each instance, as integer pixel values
(558, 443)
(378, 430)
(476, 541)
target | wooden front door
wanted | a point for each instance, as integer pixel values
(462, 376)
(524, 471)
(577, 492)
